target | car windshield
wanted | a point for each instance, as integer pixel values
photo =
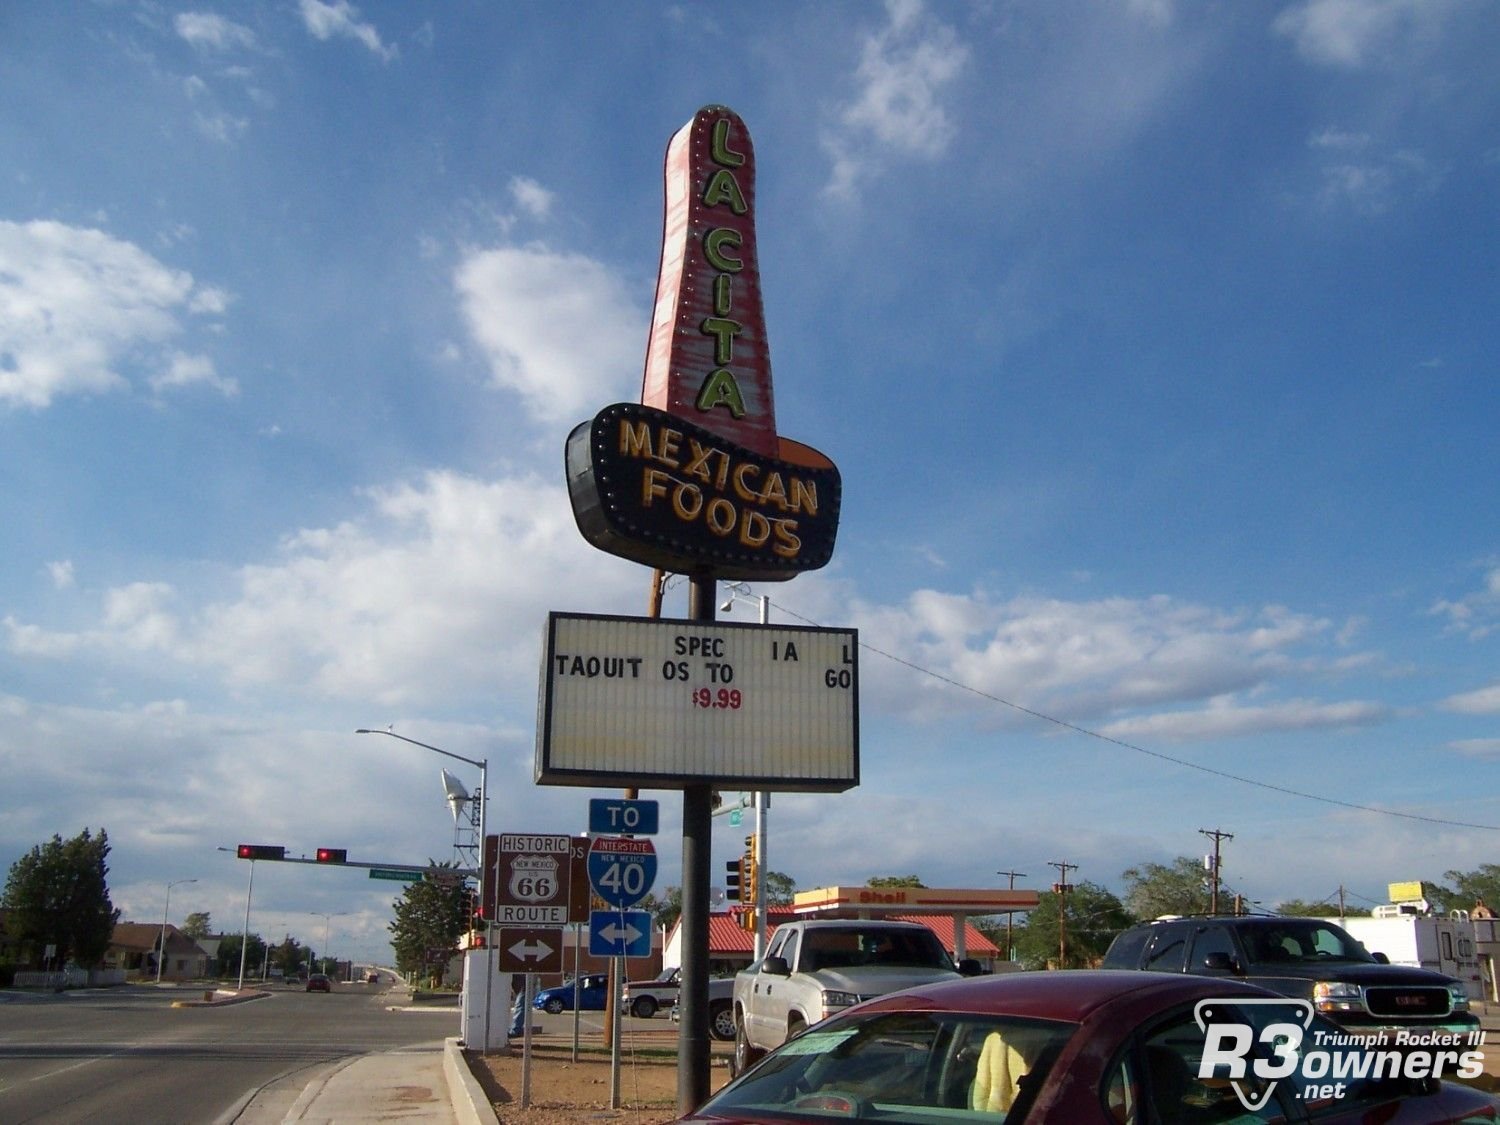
(901, 1066)
(843, 949)
(1303, 942)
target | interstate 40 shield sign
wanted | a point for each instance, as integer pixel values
(621, 869)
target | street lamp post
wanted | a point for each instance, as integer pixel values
(326, 919)
(244, 934)
(738, 591)
(483, 765)
(161, 954)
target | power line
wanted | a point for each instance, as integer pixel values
(1076, 729)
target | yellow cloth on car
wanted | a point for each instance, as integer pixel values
(998, 1076)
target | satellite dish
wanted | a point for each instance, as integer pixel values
(457, 795)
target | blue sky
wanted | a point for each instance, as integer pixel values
(1154, 343)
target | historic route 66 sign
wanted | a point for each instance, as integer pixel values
(534, 878)
(534, 873)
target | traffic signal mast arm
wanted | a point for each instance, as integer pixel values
(326, 858)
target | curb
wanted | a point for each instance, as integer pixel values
(219, 998)
(470, 1105)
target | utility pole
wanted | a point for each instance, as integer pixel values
(1010, 949)
(1217, 837)
(1061, 889)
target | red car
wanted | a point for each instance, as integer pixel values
(1116, 1048)
(319, 983)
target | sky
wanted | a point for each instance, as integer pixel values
(1154, 342)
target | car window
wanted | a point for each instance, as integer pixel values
(1158, 1080)
(1168, 950)
(1125, 951)
(1210, 939)
(919, 1067)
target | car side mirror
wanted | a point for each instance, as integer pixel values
(1220, 962)
(776, 966)
(970, 967)
(1382, 958)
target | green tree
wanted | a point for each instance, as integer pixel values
(1154, 889)
(1325, 909)
(429, 917)
(1467, 889)
(664, 910)
(781, 888)
(289, 954)
(227, 958)
(58, 895)
(197, 925)
(894, 881)
(1091, 917)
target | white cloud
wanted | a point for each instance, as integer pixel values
(531, 197)
(1226, 719)
(1483, 701)
(1079, 660)
(341, 20)
(1352, 33)
(1477, 747)
(897, 108)
(61, 573)
(206, 30)
(189, 370)
(420, 600)
(76, 306)
(557, 328)
(1473, 614)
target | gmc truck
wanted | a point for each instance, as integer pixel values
(813, 969)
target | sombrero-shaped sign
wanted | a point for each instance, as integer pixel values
(695, 477)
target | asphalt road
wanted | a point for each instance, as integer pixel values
(125, 1054)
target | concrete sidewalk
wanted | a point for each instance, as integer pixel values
(427, 1083)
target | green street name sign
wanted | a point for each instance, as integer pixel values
(396, 876)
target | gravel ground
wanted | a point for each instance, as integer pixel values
(564, 1092)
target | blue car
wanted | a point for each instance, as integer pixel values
(589, 990)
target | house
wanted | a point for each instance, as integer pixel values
(133, 946)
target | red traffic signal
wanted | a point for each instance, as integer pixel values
(261, 851)
(333, 855)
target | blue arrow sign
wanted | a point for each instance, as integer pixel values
(621, 870)
(612, 816)
(619, 933)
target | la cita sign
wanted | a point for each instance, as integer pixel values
(695, 477)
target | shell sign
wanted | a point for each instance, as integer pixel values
(695, 477)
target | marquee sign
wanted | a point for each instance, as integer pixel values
(695, 477)
(663, 703)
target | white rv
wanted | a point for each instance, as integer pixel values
(1443, 943)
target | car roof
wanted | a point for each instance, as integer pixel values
(1066, 994)
(860, 924)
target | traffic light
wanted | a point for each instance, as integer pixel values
(333, 855)
(261, 851)
(733, 873)
(750, 879)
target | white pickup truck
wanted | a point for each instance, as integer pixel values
(644, 998)
(813, 969)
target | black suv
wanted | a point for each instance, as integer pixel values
(1302, 957)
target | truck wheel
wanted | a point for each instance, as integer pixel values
(721, 1021)
(745, 1056)
(643, 1008)
(795, 1026)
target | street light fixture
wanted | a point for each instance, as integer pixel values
(483, 765)
(161, 954)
